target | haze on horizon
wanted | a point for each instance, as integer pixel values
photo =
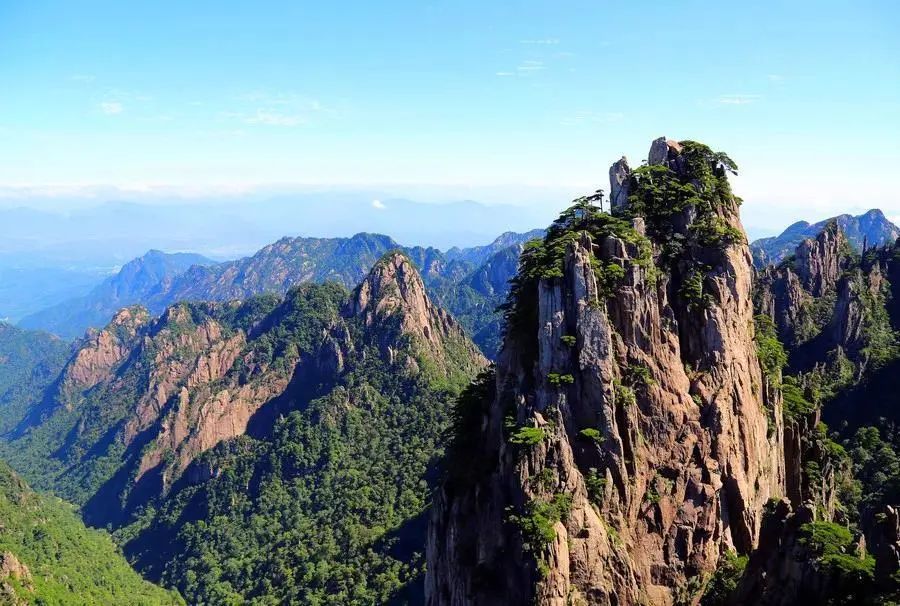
(523, 103)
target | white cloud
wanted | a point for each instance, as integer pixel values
(111, 108)
(83, 78)
(740, 99)
(378, 205)
(504, 74)
(273, 118)
(541, 41)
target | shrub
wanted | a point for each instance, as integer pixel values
(637, 374)
(725, 580)
(528, 436)
(769, 350)
(591, 434)
(536, 525)
(557, 379)
(596, 485)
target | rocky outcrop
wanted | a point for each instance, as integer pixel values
(12, 568)
(395, 289)
(883, 542)
(664, 151)
(103, 350)
(811, 292)
(619, 179)
(803, 559)
(820, 261)
(631, 427)
(824, 300)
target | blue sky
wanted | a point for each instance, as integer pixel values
(516, 102)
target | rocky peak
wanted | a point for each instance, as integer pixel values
(619, 176)
(819, 298)
(394, 289)
(664, 151)
(102, 350)
(629, 439)
(821, 260)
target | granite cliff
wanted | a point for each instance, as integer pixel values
(628, 436)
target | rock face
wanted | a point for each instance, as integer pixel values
(394, 287)
(619, 178)
(820, 261)
(636, 416)
(822, 300)
(104, 349)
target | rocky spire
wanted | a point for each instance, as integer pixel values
(820, 261)
(619, 175)
(629, 441)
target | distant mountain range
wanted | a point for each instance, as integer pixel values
(228, 227)
(470, 282)
(138, 280)
(871, 228)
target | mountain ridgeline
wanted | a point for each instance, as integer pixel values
(271, 449)
(470, 282)
(864, 231)
(138, 280)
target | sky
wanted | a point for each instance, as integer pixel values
(514, 102)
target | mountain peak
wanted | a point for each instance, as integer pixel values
(872, 228)
(394, 285)
(394, 289)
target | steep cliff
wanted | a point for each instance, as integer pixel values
(626, 439)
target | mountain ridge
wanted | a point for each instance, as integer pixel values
(871, 228)
(150, 410)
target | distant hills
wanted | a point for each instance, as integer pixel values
(227, 227)
(469, 282)
(139, 280)
(872, 228)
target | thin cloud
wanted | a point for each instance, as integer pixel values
(504, 74)
(277, 109)
(82, 78)
(273, 118)
(531, 66)
(740, 99)
(111, 108)
(541, 41)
